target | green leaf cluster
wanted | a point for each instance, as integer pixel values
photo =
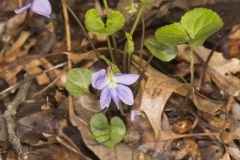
(95, 24)
(78, 81)
(108, 134)
(194, 28)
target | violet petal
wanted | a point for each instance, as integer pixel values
(125, 94)
(126, 79)
(133, 114)
(105, 98)
(115, 97)
(23, 8)
(42, 7)
(99, 79)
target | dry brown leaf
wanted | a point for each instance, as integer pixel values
(225, 157)
(33, 68)
(234, 42)
(52, 152)
(154, 99)
(233, 151)
(9, 28)
(77, 57)
(3, 130)
(186, 147)
(219, 68)
(15, 53)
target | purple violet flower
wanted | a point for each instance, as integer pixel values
(114, 87)
(42, 7)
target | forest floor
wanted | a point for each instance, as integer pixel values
(40, 120)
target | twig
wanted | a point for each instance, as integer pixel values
(71, 113)
(81, 26)
(9, 116)
(205, 67)
(49, 85)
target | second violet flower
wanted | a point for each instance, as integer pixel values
(114, 87)
(42, 7)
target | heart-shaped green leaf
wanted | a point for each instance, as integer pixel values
(200, 23)
(162, 52)
(94, 23)
(78, 81)
(195, 27)
(130, 43)
(172, 34)
(115, 21)
(118, 131)
(100, 127)
(105, 133)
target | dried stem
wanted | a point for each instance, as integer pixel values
(9, 116)
(81, 26)
(72, 117)
(192, 68)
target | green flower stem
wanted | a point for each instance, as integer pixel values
(106, 5)
(125, 61)
(192, 67)
(110, 50)
(137, 20)
(142, 40)
(113, 37)
(114, 41)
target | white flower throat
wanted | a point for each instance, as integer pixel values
(111, 81)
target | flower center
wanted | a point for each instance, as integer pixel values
(112, 82)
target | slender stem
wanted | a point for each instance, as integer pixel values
(71, 113)
(110, 50)
(192, 67)
(142, 73)
(106, 5)
(125, 60)
(108, 39)
(114, 41)
(81, 26)
(142, 41)
(67, 27)
(137, 20)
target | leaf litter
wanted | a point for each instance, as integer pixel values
(171, 124)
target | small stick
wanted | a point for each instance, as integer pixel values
(205, 65)
(9, 116)
(71, 113)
